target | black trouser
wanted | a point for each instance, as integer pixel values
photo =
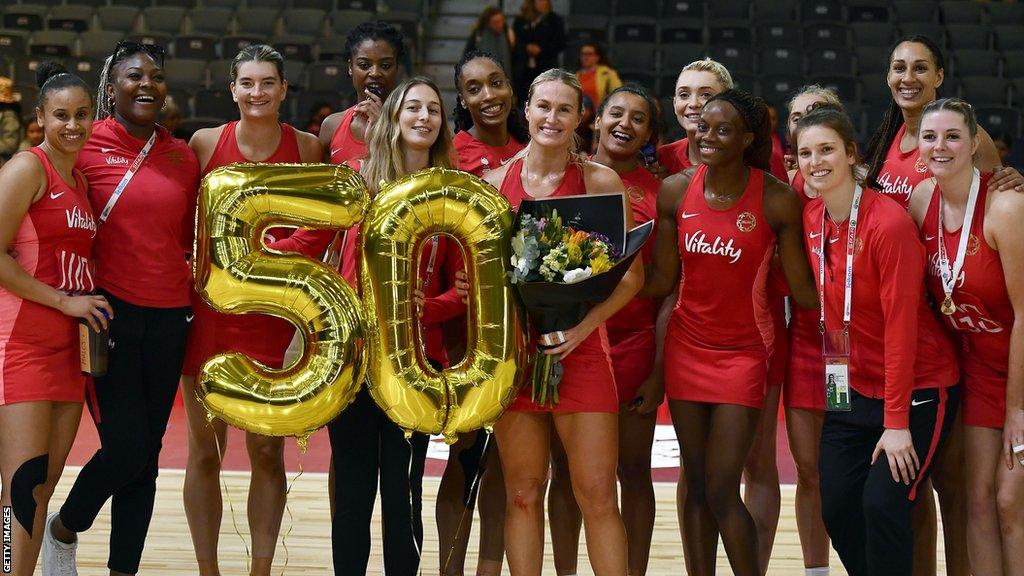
(131, 407)
(365, 445)
(866, 513)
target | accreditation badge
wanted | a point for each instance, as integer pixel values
(836, 353)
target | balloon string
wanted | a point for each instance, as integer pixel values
(288, 509)
(412, 504)
(231, 507)
(470, 503)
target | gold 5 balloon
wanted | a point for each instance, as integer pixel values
(347, 338)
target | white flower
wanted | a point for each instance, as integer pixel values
(577, 275)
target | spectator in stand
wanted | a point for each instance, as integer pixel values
(170, 118)
(33, 134)
(540, 39)
(595, 73)
(317, 114)
(10, 121)
(492, 34)
(1004, 145)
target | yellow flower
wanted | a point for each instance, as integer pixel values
(575, 255)
(600, 264)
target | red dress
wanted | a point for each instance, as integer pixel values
(588, 382)
(631, 329)
(38, 344)
(902, 171)
(262, 337)
(720, 337)
(805, 372)
(344, 146)
(984, 315)
(675, 156)
(476, 157)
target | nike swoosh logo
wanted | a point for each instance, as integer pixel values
(833, 241)
(55, 196)
(919, 402)
(188, 319)
(686, 216)
(814, 235)
(335, 151)
(105, 150)
(928, 238)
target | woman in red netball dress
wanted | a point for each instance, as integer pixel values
(259, 88)
(489, 131)
(975, 249)
(585, 417)
(697, 83)
(722, 219)
(890, 372)
(46, 235)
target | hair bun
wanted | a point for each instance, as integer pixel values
(48, 69)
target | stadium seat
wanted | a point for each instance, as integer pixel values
(216, 104)
(874, 88)
(229, 4)
(1017, 91)
(73, 17)
(1008, 37)
(874, 113)
(295, 73)
(675, 56)
(636, 9)
(331, 48)
(777, 89)
(678, 31)
(329, 76)
(779, 33)
(872, 33)
(257, 21)
(643, 30)
(53, 43)
(932, 30)
(26, 94)
(206, 20)
(977, 62)
(98, 43)
(747, 82)
(24, 68)
(1000, 119)
(198, 46)
(781, 60)
(276, 4)
(178, 3)
(345, 20)
(231, 45)
(640, 52)
(872, 59)
(737, 59)
(822, 11)
(846, 85)
(693, 9)
(186, 73)
(587, 28)
(47, 3)
(643, 77)
(25, 16)
(295, 47)
(670, 128)
(729, 35)
(13, 43)
(602, 7)
(970, 36)
(960, 12)
(134, 3)
(734, 10)
(1013, 64)
(448, 50)
(155, 38)
(324, 5)
(119, 18)
(87, 68)
(868, 11)
(775, 10)
(826, 61)
(365, 5)
(219, 72)
(307, 21)
(984, 90)
(93, 3)
(914, 10)
(822, 35)
(667, 83)
(166, 19)
(1005, 13)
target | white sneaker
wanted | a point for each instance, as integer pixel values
(58, 557)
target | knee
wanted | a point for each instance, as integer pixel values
(1008, 505)
(596, 495)
(722, 496)
(525, 495)
(883, 507)
(203, 459)
(981, 501)
(267, 454)
(133, 458)
(634, 474)
(807, 471)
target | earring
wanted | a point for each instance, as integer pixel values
(110, 102)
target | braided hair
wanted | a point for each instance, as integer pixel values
(123, 51)
(653, 123)
(463, 120)
(754, 112)
(52, 76)
(881, 140)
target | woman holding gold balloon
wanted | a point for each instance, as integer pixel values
(586, 416)
(259, 88)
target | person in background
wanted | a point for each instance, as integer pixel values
(540, 40)
(596, 74)
(33, 134)
(317, 114)
(10, 121)
(492, 35)
(698, 81)
(170, 117)
(1004, 146)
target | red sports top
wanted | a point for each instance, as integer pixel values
(675, 156)
(642, 190)
(344, 145)
(476, 157)
(896, 343)
(777, 161)
(984, 315)
(140, 250)
(902, 171)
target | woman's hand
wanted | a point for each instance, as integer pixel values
(94, 309)
(565, 341)
(370, 107)
(419, 299)
(1013, 437)
(1006, 178)
(462, 286)
(650, 394)
(898, 446)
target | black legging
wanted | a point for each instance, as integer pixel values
(132, 405)
(366, 445)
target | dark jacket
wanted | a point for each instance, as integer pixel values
(548, 33)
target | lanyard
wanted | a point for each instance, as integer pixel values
(431, 261)
(851, 245)
(949, 276)
(127, 178)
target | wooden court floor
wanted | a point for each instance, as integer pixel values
(169, 548)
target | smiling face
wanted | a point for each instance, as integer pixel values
(825, 159)
(496, 23)
(139, 89)
(66, 119)
(913, 77)
(624, 125)
(374, 67)
(801, 106)
(722, 135)
(486, 92)
(258, 89)
(945, 143)
(420, 117)
(693, 89)
(553, 113)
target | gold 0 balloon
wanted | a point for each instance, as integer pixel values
(237, 274)
(403, 216)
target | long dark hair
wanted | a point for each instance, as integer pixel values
(463, 120)
(653, 120)
(881, 140)
(754, 112)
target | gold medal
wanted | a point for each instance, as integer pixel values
(948, 308)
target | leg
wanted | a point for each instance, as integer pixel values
(923, 518)
(454, 519)
(983, 457)
(355, 448)
(846, 446)
(492, 514)
(591, 443)
(636, 436)
(692, 421)
(804, 430)
(948, 477)
(203, 505)
(524, 460)
(761, 491)
(267, 496)
(563, 512)
(401, 498)
(732, 432)
(1010, 506)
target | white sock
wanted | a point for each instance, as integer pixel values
(822, 571)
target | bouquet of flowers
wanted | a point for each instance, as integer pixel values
(569, 253)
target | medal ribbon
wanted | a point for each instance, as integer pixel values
(949, 276)
(851, 245)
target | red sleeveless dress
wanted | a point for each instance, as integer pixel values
(805, 372)
(902, 171)
(631, 329)
(720, 337)
(344, 145)
(675, 156)
(476, 157)
(984, 316)
(38, 344)
(262, 337)
(588, 382)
